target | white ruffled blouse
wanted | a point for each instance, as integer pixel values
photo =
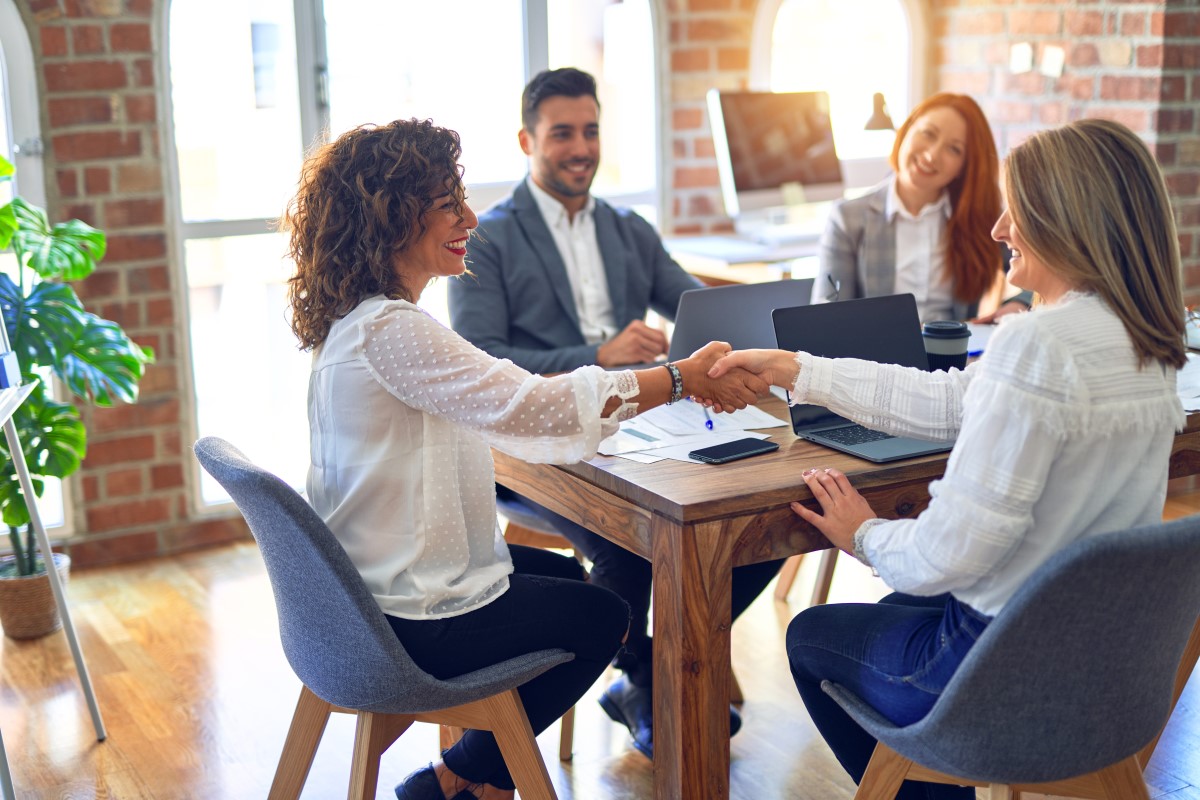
(402, 415)
(1060, 436)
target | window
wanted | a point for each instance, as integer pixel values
(287, 71)
(851, 51)
(21, 144)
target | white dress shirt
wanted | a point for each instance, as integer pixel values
(402, 415)
(580, 251)
(921, 254)
(1060, 436)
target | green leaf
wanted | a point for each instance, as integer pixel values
(6, 169)
(44, 326)
(55, 442)
(104, 363)
(8, 225)
(66, 252)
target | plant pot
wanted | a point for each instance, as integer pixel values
(27, 607)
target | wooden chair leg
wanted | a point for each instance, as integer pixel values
(787, 576)
(300, 746)
(521, 754)
(447, 736)
(566, 735)
(735, 689)
(885, 772)
(1124, 781)
(1002, 791)
(374, 734)
(1191, 654)
(824, 577)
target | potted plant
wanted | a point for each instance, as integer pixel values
(54, 338)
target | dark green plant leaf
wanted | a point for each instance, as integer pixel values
(104, 363)
(55, 443)
(43, 326)
(66, 252)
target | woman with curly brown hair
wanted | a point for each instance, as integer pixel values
(403, 413)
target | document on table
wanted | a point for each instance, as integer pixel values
(673, 431)
(1187, 383)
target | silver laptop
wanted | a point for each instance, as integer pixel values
(882, 329)
(739, 314)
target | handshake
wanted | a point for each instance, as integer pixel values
(727, 380)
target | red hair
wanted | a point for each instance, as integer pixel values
(972, 256)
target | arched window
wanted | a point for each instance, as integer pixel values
(21, 144)
(286, 72)
(850, 50)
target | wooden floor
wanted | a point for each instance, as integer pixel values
(197, 696)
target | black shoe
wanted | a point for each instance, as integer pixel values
(423, 785)
(633, 707)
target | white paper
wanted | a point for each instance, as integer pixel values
(980, 334)
(680, 452)
(1187, 380)
(687, 417)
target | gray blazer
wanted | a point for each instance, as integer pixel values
(858, 252)
(518, 302)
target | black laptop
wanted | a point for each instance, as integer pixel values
(739, 314)
(882, 329)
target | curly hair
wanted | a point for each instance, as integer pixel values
(972, 257)
(362, 199)
(1090, 201)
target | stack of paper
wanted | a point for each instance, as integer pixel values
(1187, 383)
(673, 431)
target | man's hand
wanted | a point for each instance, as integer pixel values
(637, 344)
(845, 509)
(774, 367)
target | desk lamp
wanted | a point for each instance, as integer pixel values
(880, 119)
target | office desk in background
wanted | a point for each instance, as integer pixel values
(730, 258)
(696, 522)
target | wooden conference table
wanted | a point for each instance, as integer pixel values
(696, 522)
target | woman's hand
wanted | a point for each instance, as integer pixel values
(733, 389)
(845, 509)
(775, 367)
(1011, 307)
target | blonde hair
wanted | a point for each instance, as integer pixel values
(1090, 201)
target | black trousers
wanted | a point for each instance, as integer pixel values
(629, 575)
(547, 605)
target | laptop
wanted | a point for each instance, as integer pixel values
(882, 329)
(739, 314)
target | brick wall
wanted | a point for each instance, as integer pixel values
(1136, 62)
(103, 97)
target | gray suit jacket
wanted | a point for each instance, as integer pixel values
(518, 302)
(858, 252)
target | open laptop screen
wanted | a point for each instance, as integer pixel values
(739, 314)
(882, 329)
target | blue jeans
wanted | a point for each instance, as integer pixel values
(897, 655)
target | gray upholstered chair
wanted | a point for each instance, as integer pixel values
(1069, 687)
(341, 647)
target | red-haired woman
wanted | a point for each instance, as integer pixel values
(927, 228)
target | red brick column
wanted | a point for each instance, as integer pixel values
(103, 101)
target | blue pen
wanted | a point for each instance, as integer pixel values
(707, 418)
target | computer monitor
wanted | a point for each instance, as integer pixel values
(775, 154)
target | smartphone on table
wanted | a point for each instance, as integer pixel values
(732, 451)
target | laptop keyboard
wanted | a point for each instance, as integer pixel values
(854, 434)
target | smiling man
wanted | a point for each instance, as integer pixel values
(562, 279)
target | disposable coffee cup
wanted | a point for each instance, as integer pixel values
(946, 344)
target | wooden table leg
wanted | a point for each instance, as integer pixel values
(692, 588)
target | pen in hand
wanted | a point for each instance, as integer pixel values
(708, 423)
